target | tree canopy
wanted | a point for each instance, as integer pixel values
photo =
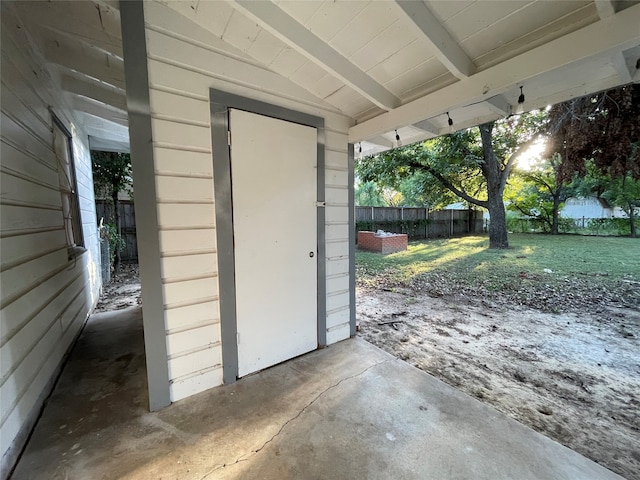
(604, 127)
(474, 164)
(112, 175)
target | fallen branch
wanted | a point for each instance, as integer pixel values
(584, 387)
(391, 322)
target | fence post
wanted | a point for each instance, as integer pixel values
(373, 219)
(452, 222)
(426, 222)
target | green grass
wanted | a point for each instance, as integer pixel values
(564, 255)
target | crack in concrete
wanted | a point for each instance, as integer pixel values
(245, 457)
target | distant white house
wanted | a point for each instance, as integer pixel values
(465, 206)
(590, 207)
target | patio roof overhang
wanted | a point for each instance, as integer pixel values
(392, 65)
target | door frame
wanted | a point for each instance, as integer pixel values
(220, 103)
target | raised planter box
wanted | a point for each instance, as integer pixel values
(389, 243)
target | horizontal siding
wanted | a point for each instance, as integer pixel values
(188, 242)
(184, 189)
(192, 316)
(45, 297)
(18, 188)
(184, 216)
(176, 269)
(198, 381)
(20, 279)
(184, 62)
(190, 292)
(18, 218)
(18, 160)
(183, 162)
(21, 248)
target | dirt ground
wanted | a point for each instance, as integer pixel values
(575, 377)
(123, 291)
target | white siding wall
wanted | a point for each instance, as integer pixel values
(588, 207)
(184, 61)
(45, 298)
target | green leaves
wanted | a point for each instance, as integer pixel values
(111, 172)
(604, 127)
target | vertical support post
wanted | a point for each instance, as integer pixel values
(322, 239)
(352, 242)
(373, 219)
(426, 223)
(134, 47)
(452, 222)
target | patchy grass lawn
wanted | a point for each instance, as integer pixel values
(552, 273)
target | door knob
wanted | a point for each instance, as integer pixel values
(311, 254)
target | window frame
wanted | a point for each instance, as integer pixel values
(70, 210)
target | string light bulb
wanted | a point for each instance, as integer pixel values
(520, 106)
(398, 141)
(450, 120)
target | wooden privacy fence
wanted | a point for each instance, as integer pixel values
(127, 212)
(419, 223)
(416, 222)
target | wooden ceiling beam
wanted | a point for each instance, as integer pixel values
(443, 45)
(616, 33)
(273, 19)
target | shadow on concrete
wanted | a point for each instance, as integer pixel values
(345, 412)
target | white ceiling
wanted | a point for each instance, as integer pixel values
(387, 64)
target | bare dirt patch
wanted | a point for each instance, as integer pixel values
(123, 291)
(573, 376)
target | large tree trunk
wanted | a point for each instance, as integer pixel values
(116, 220)
(555, 214)
(497, 224)
(495, 189)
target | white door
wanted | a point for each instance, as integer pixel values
(273, 172)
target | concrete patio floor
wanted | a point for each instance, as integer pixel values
(350, 411)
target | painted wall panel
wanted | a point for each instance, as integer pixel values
(181, 107)
(45, 297)
(188, 266)
(337, 195)
(195, 383)
(16, 160)
(340, 332)
(183, 242)
(18, 218)
(186, 136)
(337, 266)
(337, 249)
(336, 300)
(183, 162)
(199, 337)
(179, 319)
(185, 216)
(182, 189)
(190, 291)
(182, 365)
(17, 188)
(23, 277)
(184, 62)
(22, 247)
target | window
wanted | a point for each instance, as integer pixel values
(68, 187)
